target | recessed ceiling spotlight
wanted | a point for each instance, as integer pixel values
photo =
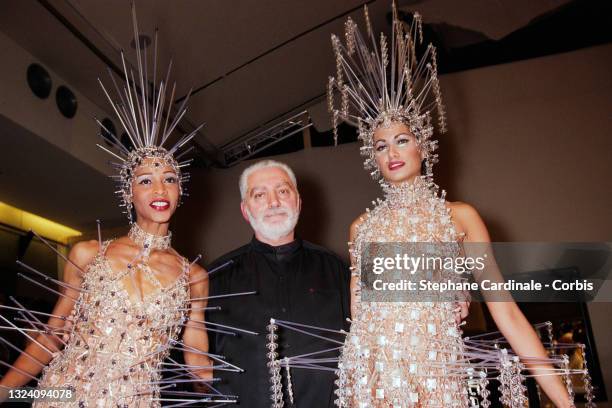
(39, 80)
(66, 101)
(143, 42)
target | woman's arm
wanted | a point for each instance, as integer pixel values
(38, 353)
(194, 335)
(508, 317)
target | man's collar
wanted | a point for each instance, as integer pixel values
(284, 249)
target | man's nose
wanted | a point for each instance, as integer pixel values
(273, 201)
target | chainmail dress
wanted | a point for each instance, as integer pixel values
(403, 353)
(117, 344)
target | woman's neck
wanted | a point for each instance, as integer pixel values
(409, 192)
(148, 240)
(154, 228)
(409, 180)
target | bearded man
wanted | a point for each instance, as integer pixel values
(294, 280)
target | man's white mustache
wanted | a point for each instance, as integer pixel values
(273, 229)
(273, 212)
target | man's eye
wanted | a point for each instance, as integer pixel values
(284, 191)
(258, 195)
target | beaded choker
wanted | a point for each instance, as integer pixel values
(149, 241)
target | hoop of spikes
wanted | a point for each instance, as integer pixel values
(160, 157)
(380, 84)
(144, 110)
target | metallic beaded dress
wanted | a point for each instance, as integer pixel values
(402, 354)
(117, 344)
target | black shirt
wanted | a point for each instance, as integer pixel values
(298, 282)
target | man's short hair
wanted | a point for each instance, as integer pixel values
(264, 164)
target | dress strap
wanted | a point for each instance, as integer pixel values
(185, 266)
(104, 246)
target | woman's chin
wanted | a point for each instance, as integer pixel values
(398, 178)
(158, 218)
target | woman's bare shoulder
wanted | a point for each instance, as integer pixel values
(461, 209)
(468, 221)
(84, 251)
(197, 272)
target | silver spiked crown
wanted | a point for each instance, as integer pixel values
(140, 107)
(379, 83)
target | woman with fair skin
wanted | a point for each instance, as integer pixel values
(409, 352)
(123, 305)
(399, 159)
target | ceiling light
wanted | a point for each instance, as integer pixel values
(25, 221)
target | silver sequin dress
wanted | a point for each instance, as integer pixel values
(117, 344)
(403, 354)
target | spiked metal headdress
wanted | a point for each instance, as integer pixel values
(140, 110)
(380, 84)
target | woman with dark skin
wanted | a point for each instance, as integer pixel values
(150, 290)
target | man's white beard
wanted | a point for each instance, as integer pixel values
(274, 230)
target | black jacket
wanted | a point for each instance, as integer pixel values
(299, 282)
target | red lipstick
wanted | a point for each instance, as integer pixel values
(160, 204)
(395, 164)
